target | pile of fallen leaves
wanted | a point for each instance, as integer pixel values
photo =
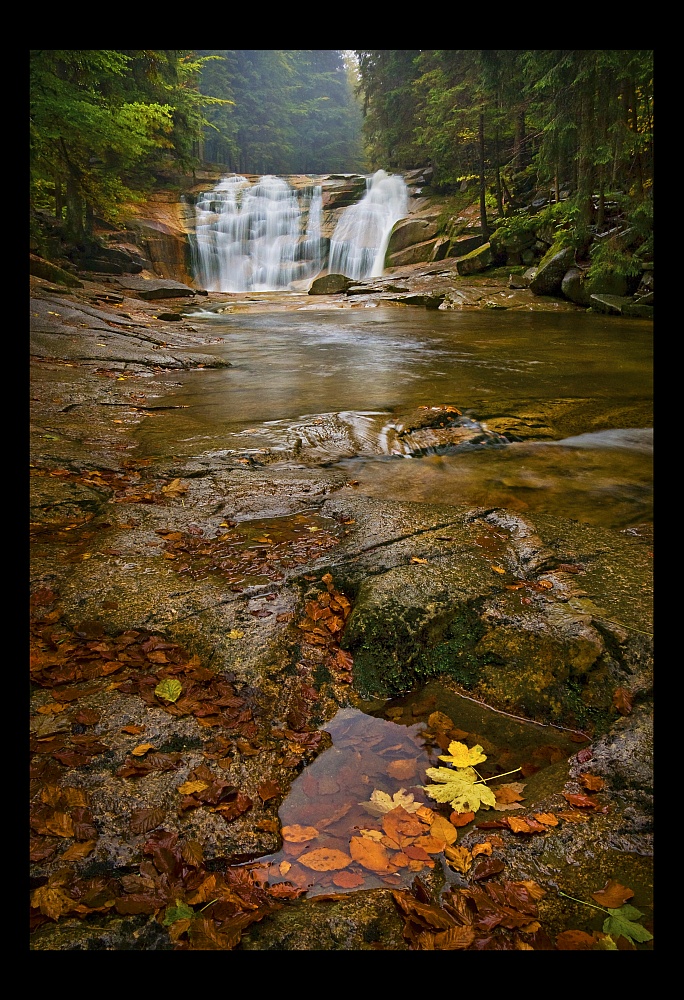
(242, 554)
(130, 486)
(484, 917)
(326, 615)
(202, 910)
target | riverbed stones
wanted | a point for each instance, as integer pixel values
(156, 288)
(552, 269)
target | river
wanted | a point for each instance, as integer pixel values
(580, 383)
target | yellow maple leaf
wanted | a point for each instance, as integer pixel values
(460, 756)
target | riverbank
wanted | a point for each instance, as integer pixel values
(181, 675)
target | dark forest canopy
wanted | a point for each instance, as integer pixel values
(291, 111)
(580, 119)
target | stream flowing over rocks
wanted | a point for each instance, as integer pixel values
(277, 596)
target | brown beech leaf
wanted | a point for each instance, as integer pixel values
(269, 790)
(454, 938)
(78, 851)
(52, 901)
(487, 868)
(133, 730)
(573, 816)
(142, 749)
(441, 828)
(296, 834)
(574, 941)
(325, 859)
(591, 782)
(520, 824)
(580, 800)
(612, 895)
(622, 700)
(190, 787)
(347, 880)
(548, 819)
(143, 820)
(370, 854)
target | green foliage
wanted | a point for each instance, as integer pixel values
(608, 258)
(622, 921)
(105, 124)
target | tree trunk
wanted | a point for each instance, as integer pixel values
(59, 198)
(74, 211)
(483, 207)
(89, 219)
(499, 195)
(519, 149)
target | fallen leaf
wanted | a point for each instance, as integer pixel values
(235, 633)
(497, 569)
(460, 756)
(622, 700)
(326, 859)
(142, 749)
(461, 819)
(591, 782)
(442, 829)
(622, 922)
(381, 802)
(402, 770)
(415, 559)
(487, 868)
(190, 787)
(580, 800)
(78, 851)
(347, 880)
(485, 848)
(369, 854)
(143, 820)
(169, 689)
(612, 895)
(268, 790)
(456, 938)
(296, 834)
(459, 858)
(548, 819)
(284, 867)
(574, 941)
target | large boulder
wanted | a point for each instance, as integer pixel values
(408, 232)
(330, 284)
(552, 269)
(419, 253)
(478, 260)
(341, 190)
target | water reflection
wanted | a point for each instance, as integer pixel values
(358, 817)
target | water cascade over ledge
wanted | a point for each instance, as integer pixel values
(267, 236)
(257, 237)
(359, 243)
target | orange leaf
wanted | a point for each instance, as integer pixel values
(548, 819)
(442, 829)
(453, 939)
(415, 559)
(461, 819)
(580, 800)
(459, 858)
(296, 834)
(485, 848)
(612, 895)
(370, 854)
(574, 941)
(432, 845)
(141, 750)
(326, 859)
(347, 880)
(591, 782)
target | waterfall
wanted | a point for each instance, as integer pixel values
(266, 236)
(359, 243)
(249, 237)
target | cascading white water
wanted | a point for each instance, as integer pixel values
(359, 243)
(249, 237)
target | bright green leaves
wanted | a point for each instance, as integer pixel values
(169, 689)
(461, 788)
(622, 921)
